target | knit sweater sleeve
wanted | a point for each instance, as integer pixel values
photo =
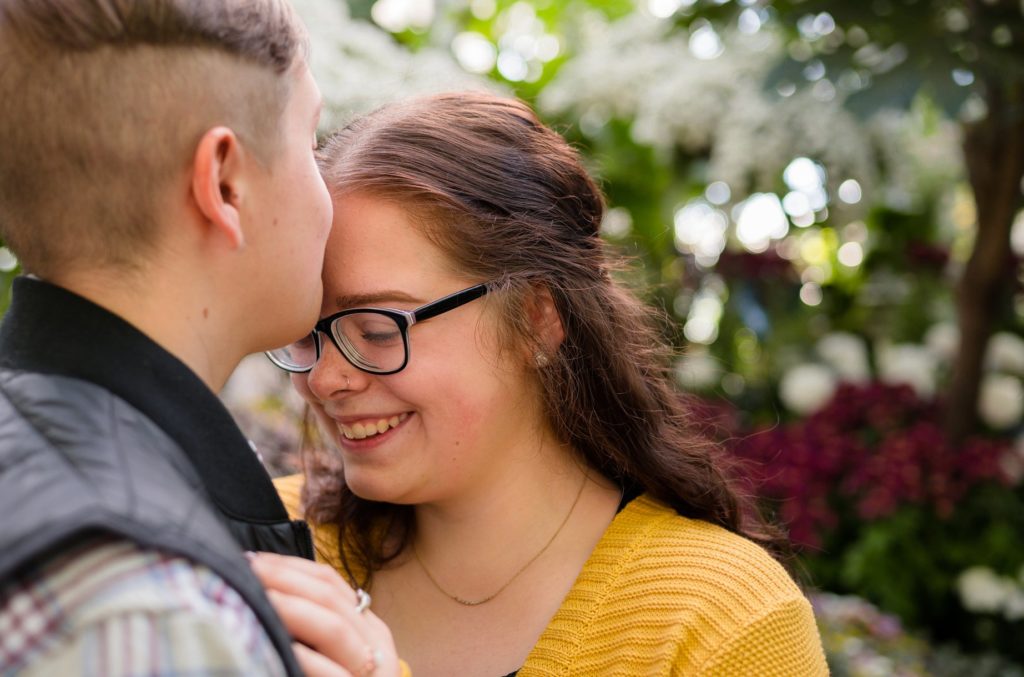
(289, 488)
(781, 642)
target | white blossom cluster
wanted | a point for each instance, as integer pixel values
(360, 67)
(641, 69)
(638, 68)
(983, 591)
(920, 158)
(807, 387)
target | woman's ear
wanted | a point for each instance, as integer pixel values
(216, 183)
(545, 320)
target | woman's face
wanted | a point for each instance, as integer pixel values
(460, 401)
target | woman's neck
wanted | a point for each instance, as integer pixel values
(472, 544)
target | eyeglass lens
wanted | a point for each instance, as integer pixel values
(371, 341)
(300, 355)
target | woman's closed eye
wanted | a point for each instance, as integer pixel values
(383, 339)
(375, 330)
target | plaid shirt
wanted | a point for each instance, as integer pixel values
(109, 608)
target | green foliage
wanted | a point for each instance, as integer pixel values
(5, 290)
(909, 564)
(883, 54)
(7, 275)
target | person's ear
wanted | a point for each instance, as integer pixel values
(546, 322)
(217, 183)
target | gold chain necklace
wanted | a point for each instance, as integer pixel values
(469, 602)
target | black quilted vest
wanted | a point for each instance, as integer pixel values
(103, 431)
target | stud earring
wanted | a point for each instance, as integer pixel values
(541, 360)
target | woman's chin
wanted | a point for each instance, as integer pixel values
(376, 489)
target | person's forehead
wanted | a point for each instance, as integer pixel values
(376, 246)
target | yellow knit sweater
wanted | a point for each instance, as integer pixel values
(663, 595)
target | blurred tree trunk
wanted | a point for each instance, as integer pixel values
(994, 154)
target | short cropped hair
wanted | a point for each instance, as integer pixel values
(104, 102)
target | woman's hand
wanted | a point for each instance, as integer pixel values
(334, 637)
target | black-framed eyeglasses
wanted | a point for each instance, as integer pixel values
(375, 340)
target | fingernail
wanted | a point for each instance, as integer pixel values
(251, 556)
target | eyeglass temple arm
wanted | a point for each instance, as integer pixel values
(450, 302)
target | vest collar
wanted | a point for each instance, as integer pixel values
(51, 330)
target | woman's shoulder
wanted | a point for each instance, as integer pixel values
(725, 597)
(697, 553)
(289, 488)
(325, 536)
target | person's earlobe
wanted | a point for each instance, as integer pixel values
(216, 183)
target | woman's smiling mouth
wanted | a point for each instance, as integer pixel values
(361, 430)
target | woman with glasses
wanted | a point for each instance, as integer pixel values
(520, 486)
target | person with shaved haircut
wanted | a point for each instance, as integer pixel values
(159, 187)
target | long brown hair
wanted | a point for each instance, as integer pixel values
(507, 199)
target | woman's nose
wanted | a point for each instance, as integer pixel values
(333, 374)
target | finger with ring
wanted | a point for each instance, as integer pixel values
(362, 600)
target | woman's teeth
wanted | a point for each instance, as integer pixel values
(364, 429)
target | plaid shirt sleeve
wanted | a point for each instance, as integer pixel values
(108, 608)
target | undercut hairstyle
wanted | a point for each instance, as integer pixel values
(104, 103)
(508, 199)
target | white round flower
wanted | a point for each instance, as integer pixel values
(806, 388)
(909, 364)
(1005, 352)
(698, 370)
(1013, 610)
(983, 590)
(847, 355)
(942, 340)
(1001, 401)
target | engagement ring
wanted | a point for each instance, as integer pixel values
(362, 600)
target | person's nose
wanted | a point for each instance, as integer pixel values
(333, 374)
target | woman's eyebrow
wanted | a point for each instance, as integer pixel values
(387, 295)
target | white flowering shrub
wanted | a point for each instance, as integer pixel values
(909, 364)
(983, 591)
(359, 67)
(1001, 401)
(1005, 353)
(942, 339)
(806, 388)
(847, 355)
(639, 69)
(698, 369)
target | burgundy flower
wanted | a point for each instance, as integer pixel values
(871, 450)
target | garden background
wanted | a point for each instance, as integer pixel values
(825, 197)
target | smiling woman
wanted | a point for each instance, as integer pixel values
(522, 490)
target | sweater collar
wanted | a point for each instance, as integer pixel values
(51, 330)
